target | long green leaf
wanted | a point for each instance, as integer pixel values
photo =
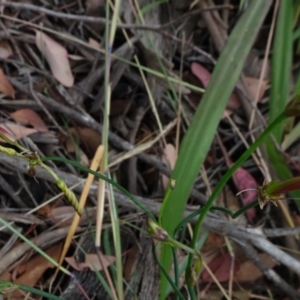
(281, 64)
(200, 134)
(280, 84)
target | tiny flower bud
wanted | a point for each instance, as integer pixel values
(6, 136)
(157, 232)
(31, 155)
(31, 171)
(172, 183)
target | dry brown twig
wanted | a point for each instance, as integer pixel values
(223, 226)
(100, 20)
(87, 120)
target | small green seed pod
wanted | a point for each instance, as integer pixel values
(70, 195)
(8, 151)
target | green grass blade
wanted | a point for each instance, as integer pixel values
(174, 286)
(117, 242)
(34, 247)
(199, 136)
(184, 263)
(6, 287)
(38, 292)
(281, 64)
(280, 79)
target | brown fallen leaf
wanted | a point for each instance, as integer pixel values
(204, 76)
(214, 241)
(27, 116)
(201, 73)
(5, 50)
(132, 256)
(18, 131)
(35, 268)
(253, 84)
(248, 272)
(94, 43)
(220, 267)
(90, 138)
(244, 181)
(57, 58)
(5, 86)
(92, 261)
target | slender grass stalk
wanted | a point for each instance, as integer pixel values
(117, 242)
(37, 249)
(163, 270)
(176, 270)
(182, 266)
(110, 32)
(6, 287)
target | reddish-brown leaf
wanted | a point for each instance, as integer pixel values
(57, 58)
(17, 131)
(35, 268)
(244, 180)
(5, 86)
(253, 84)
(213, 242)
(201, 73)
(130, 262)
(89, 138)
(204, 76)
(220, 267)
(248, 272)
(6, 136)
(27, 116)
(92, 261)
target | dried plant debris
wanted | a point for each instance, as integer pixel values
(67, 87)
